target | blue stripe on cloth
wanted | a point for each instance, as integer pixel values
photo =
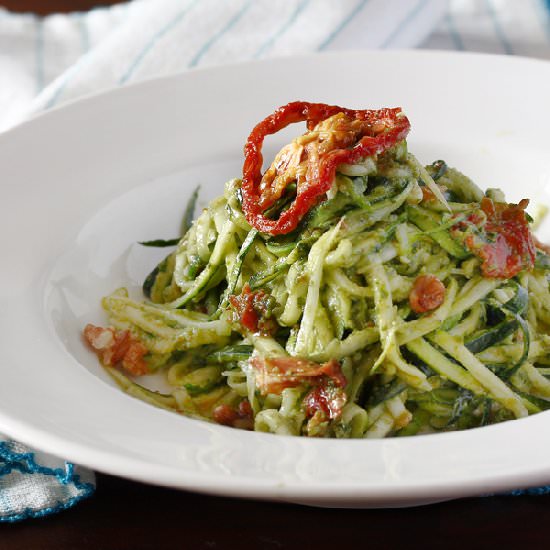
(403, 24)
(499, 31)
(66, 79)
(174, 22)
(342, 25)
(81, 63)
(26, 464)
(84, 32)
(30, 513)
(287, 25)
(213, 39)
(453, 32)
(39, 54)
(542, 7)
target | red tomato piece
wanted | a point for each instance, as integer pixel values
(114, 347)
(427, 294)
(224, 414)
(133, 360)
(241, 417)
(274, 374)
(503, 240)
(253, 310)
(327, 398)
(244, 306)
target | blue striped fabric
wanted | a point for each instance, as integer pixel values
(545, 15)
(175, 31)
(152, 42)
(281, 31)
(455, 36)
(499, 31)
(220, 34)
(495, 26)
(342, 25)
(405, 22)
(84, 33)
(39, 55)
(471, 25)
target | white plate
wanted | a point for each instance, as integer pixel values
(82, 184)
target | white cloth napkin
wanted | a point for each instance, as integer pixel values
(47, 61)
(510, 27)
(34, 484)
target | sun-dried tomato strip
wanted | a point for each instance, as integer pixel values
(503, 240)
(274, 374)
(253, 310)
(380, 130)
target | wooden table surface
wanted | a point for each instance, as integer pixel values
(128, 515)
(44, 7)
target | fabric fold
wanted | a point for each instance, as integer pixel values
(35, 484)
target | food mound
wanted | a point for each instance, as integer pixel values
(348, 291)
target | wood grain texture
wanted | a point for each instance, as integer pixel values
(124, 515)
(45, 7)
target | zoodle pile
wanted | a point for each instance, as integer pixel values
(348, 291)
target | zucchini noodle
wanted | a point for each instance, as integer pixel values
(381, 314)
